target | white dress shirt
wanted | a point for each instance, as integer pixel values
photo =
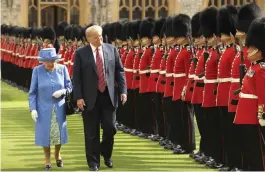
(94, 50)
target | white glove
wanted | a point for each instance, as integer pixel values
(262, 122)
(34, 115)
(59, 93)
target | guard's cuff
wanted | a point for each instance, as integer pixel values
(261, 113)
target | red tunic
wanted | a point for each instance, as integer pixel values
(144, 70)
(224, 76)
(235, 80)
(252, 95)
(128, 68)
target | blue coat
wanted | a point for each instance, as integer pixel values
(43, 84)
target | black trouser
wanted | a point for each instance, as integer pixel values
(137, 106)
(145, 111)
(201, 123)
(103, 112)
(129, 114)
(172, 111)
(213, 135)
(253, 147)
(188, 134)
(231, 135)
(159, 114)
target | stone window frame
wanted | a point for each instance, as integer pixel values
(132, 5)
(220, 3)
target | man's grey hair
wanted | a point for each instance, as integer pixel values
(94, 28)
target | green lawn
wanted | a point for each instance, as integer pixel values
(130, 153)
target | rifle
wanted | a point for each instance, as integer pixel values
(194, 59)
(217, 49)
(206, 56)
(166, 48)
(242, 68)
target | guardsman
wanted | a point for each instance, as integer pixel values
(213, 153)
(128, 68)
(48, 37)
(68, 52)
(250, 111)
(226, 20)
(183, 109)
(197, 67)
(169, 109)
(136, 76)
(147, 116)
(76, 43)
(28, 57)
(246, 14)
(154, 73)
(61, 39)
(161, 80)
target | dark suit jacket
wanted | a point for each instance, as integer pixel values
(85, 78)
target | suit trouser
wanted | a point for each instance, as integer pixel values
(253, 147)
(145, 111)
(201, 123)
(159, 114)
(103, 112)
(172, 111)
(188, 132)
(213, 134)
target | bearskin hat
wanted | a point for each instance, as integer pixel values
(48, 33)
(169, 31)
(135, 29)
(247, 13)
(124, 31)
(181, 25)
(76, 32)
(208, 22)
(195, 25)
(226, 20)
(105, 32)
(158, 26)
(60, 28)
(256, 35)
(146, 26)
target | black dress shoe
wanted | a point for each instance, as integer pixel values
(108, 163)
(48, 168)
(93, 168)
(225, 169)
(59, 163)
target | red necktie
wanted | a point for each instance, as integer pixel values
(101, 79)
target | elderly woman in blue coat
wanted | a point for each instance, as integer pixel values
(50, 81)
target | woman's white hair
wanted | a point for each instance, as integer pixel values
(93, 29)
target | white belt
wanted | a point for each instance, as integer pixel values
(235, 80)
(144, 71)
(128, 70)
(178, 75)
(210, 81)
(65, 63)
(224, 80)
(135, 71)
(162, 72)
(191, 76)
(248, 96)
(154, 71)
(169, 74)
(28, 57)
(197, 78)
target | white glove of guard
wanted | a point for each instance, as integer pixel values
(262, 122)
(34, 115)
(59, 93)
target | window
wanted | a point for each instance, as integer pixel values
(74, 11)
(33, 13)
(219, 3)
(139, 9)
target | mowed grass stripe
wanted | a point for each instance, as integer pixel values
(130, 153)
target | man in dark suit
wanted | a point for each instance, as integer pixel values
(97, 74)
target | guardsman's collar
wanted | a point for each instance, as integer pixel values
(258, 61)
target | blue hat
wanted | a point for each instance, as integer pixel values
(48, 54)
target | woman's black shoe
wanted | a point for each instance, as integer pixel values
(48, 168)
